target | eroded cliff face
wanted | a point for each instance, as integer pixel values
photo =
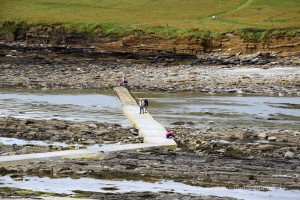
(229, 43)
(284, 46)
(137, 43)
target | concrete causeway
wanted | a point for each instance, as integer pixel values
(152, 131)
(17, 159)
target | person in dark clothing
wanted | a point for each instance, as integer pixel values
(125, 83)
(146, 105)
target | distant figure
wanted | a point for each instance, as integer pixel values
(146, 105)
(121, 82)
(141, 104)
(125, 83)
(170, 134)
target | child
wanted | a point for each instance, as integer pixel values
(121, 82)
(170, 134)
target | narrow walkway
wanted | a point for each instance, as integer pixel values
(72, 153)
(152, 131)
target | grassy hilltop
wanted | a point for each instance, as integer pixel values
(166, 18)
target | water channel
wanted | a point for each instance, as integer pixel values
(225, 111)
(68, 105)
(167, 108)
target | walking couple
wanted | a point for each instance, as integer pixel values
(143, 103)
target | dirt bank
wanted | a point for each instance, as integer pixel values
(50, 58)
(141, 43)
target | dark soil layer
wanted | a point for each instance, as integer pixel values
(139, 43)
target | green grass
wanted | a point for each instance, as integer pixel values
(176, 13)
(267, 14)
(164, 18)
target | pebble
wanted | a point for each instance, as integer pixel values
(272, 139)
(289, 155)
(282, 80)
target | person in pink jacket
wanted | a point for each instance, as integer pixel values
(170, 134)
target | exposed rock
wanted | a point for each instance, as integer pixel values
(289, 155)
(25, 71)
(94, 126)
(88, 142)
(262, 135)
(272, 139)
(76, 132)
(246, 134)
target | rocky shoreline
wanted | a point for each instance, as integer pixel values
(68, 132)
(274, 81)
(232, 158)
(256, 74)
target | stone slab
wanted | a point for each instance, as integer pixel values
(72, 153)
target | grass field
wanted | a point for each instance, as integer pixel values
(169, 18)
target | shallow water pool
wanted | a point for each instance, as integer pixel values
(225, 111)
(166, 108)
(68, 105)
(46, 184)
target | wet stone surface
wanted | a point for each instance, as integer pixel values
(71, 133)
(216, 157)
(27, 194)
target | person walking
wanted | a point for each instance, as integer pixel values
(146, 105)
(142, 105)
